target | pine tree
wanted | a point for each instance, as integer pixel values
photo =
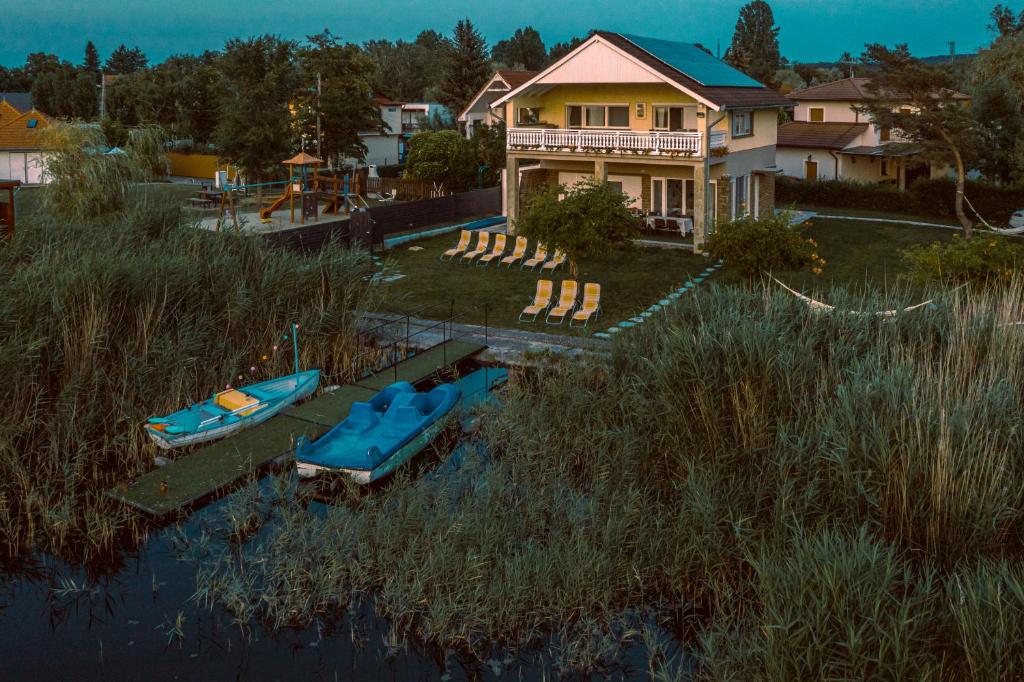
(524, 49)
(468, 67)
(755, 42)
(91, 63)
(124, 61)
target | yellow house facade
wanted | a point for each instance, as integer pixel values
(682, 134)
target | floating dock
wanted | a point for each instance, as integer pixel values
(222, 463)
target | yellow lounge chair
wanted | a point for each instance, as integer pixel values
(496, 252)
(539, 257)
(566, 301)
(541, 300)
(481, 247)
(591, 305)
(556, 261)
(460, 248)
(518, 251)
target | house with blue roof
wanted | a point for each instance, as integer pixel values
(687, 137)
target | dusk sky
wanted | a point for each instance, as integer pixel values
(812, 30)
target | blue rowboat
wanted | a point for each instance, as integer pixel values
(232, 410)
(390, 429)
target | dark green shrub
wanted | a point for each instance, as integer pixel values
(753, 246)
(982, 260)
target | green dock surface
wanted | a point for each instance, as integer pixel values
(223, 462)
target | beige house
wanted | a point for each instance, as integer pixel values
(479, 108)
(829, 139)
(680, 132)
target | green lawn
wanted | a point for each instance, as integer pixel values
(631, 280)
(867, 213)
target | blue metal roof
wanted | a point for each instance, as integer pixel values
(694, 62)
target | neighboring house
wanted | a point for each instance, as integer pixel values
(830, 139)
(479, 108)
(401, 121)
(22, 156)
(680, 132)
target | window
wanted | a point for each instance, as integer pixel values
(884, 134)
(597, 115)
(885, 168)
(816, 114)
(741, 199)
(528, 115)
(661, 118)
(615, 184)
(742, 123)
(641, 109)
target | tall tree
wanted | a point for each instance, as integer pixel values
(916, 101)
(255, 128)
(996, 81)
(345, 103)
(559, 50)
(468, 67)
(755, 42)
(1004, 22)
(91, 62)
(524, 50)
(124, 60)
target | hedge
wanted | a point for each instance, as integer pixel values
(923, 198)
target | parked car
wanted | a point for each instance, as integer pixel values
(1017, 219)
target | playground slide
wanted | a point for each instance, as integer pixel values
(278, 202)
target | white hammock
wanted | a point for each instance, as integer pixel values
(825, 307)
(997, 230)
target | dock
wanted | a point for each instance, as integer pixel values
(223, 463)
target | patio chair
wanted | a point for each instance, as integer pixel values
(566, 302)
(591, 305)
(539, 256)
(460, 248)
(557, 261)
(661, 224)
(497, 251)
(481, 247)
(541, 301)
(518, 252)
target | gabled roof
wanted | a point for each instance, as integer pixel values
(844, 90)
(513, 79)
(21, 133)
(509, 78)
(8, 113)
(383, 101)
(819, 135)
(22, 101)
(684, 66)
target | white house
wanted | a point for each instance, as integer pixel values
(22, 156)
(401, 121)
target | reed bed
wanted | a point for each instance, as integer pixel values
(746, 490)
(105, 322)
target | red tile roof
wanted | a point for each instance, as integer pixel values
(819, 135)
(844, 90)
(15, 133)
(515, 78)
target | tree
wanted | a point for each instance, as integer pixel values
(754, 246)
(524, 50)
(559, 50)
(755, 42)
(590, 218)
(788, 80)
(91, 63)
(123, 60)
(345, 104)
(468, 67)
(443, 157)
(255, 128)
(1004, 22)
(996, 81)
(59, 89)
(489, 151)
(916, 101)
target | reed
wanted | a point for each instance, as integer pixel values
(108, 321)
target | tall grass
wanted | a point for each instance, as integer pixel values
(792, 494)
(108, 321)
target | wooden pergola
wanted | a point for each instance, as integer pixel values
(7, 207)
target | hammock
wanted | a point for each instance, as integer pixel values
(819, 305)
(997, 230)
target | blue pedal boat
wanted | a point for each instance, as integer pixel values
(390, 429)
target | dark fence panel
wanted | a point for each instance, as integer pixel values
(409, 216)
(310, 237)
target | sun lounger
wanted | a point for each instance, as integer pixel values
(460, 248)
(566, 302)
(557, 261)
(518, 251)
(541, 301)
(539, 257)
(495, 253)
(591, 306)
(481, 247)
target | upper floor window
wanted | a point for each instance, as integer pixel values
(742, 123)
(661, 118)
(597, 116)
(816, 114)
(528, 115)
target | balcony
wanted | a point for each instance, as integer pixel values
(610, 141)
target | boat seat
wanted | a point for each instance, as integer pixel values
(232, 400)
(407, 408)
(362, 417)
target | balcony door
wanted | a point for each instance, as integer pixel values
(671, 196)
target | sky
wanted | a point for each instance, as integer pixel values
(811, 30)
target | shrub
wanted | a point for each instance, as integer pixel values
(753, 246)
(443, 157)
(983, 260)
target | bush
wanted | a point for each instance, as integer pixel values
(924, 197)
(753, 246)
(443, 157)
(982, 260)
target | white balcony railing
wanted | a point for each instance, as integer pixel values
(623, 141)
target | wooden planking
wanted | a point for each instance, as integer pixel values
(222, 463)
